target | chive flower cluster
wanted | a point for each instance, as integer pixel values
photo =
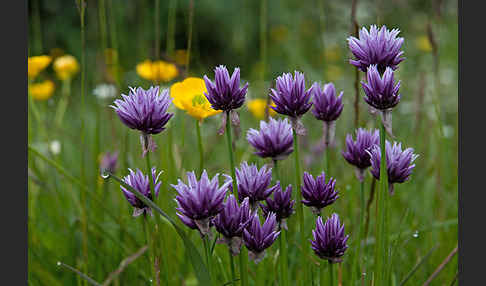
(256, 214)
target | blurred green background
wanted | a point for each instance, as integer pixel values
(264, 39)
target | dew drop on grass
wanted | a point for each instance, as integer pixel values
(105, 175)
(415, 234)
(58, 263)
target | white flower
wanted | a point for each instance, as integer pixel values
(55, 147)
(105, 91)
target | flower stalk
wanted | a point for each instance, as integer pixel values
(243, 256)
(200, 146)
(381, 197)
(300, 208)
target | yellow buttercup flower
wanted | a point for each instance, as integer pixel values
(157, 71)
(66, 66)
(423, 43)
(37, 64)
(257, 108)
(188, 95)
(42, 90)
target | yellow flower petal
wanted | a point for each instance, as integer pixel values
(188, 95)
(257, 108)
(157, 71)
(66, 67)
(42, 90)
(37, 64)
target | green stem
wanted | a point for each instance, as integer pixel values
(263, 37)
(37, 28)
(381, 195)
(63, 103)
(357, 259)
(322, 272)
(171, 28)
(102, 23)
(189, 35)
(328, 160)
(260, 274)
(156, 30)
(300, 210)
(243, 253)
(207, 250)
(284, 267)
(200, 146)
(275, 170)
(151, 252)
(82, 10)
(232, 263)
(331, 274)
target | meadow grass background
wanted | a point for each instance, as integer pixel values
(308, 36)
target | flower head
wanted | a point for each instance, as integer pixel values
(376, 47)
(144, 110)
(253, 183)
(105, 91)
(274, 139)
(381, 92)
(231, 222)
(188, 95)
(356, 151)
(399, 163)
(157, 71)
(317, 193)
(225, 93)
(37, 64)
(141, 183)
(200, 200)
(66, 67)
(281, 205)
(258, 237)
(290, 96)
(42, 90)
(329, 239)
(327, 106)
(258, 108)
(109, 162)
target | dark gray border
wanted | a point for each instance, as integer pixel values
(13, 162)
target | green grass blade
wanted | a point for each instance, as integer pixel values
(417, 266)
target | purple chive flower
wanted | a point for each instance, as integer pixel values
(109, 162)
(318, 193)
(141, 183)
(225, 93)
(399, 163)
(258, 237)
(329, 239)
(356, 151)
(253, 183)
(146, 111)
(327, 106)
(274, 139)
(376, 47)
(231, 222)
(291, 98)
(200, 200)
(281, 205)
(381, 92)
